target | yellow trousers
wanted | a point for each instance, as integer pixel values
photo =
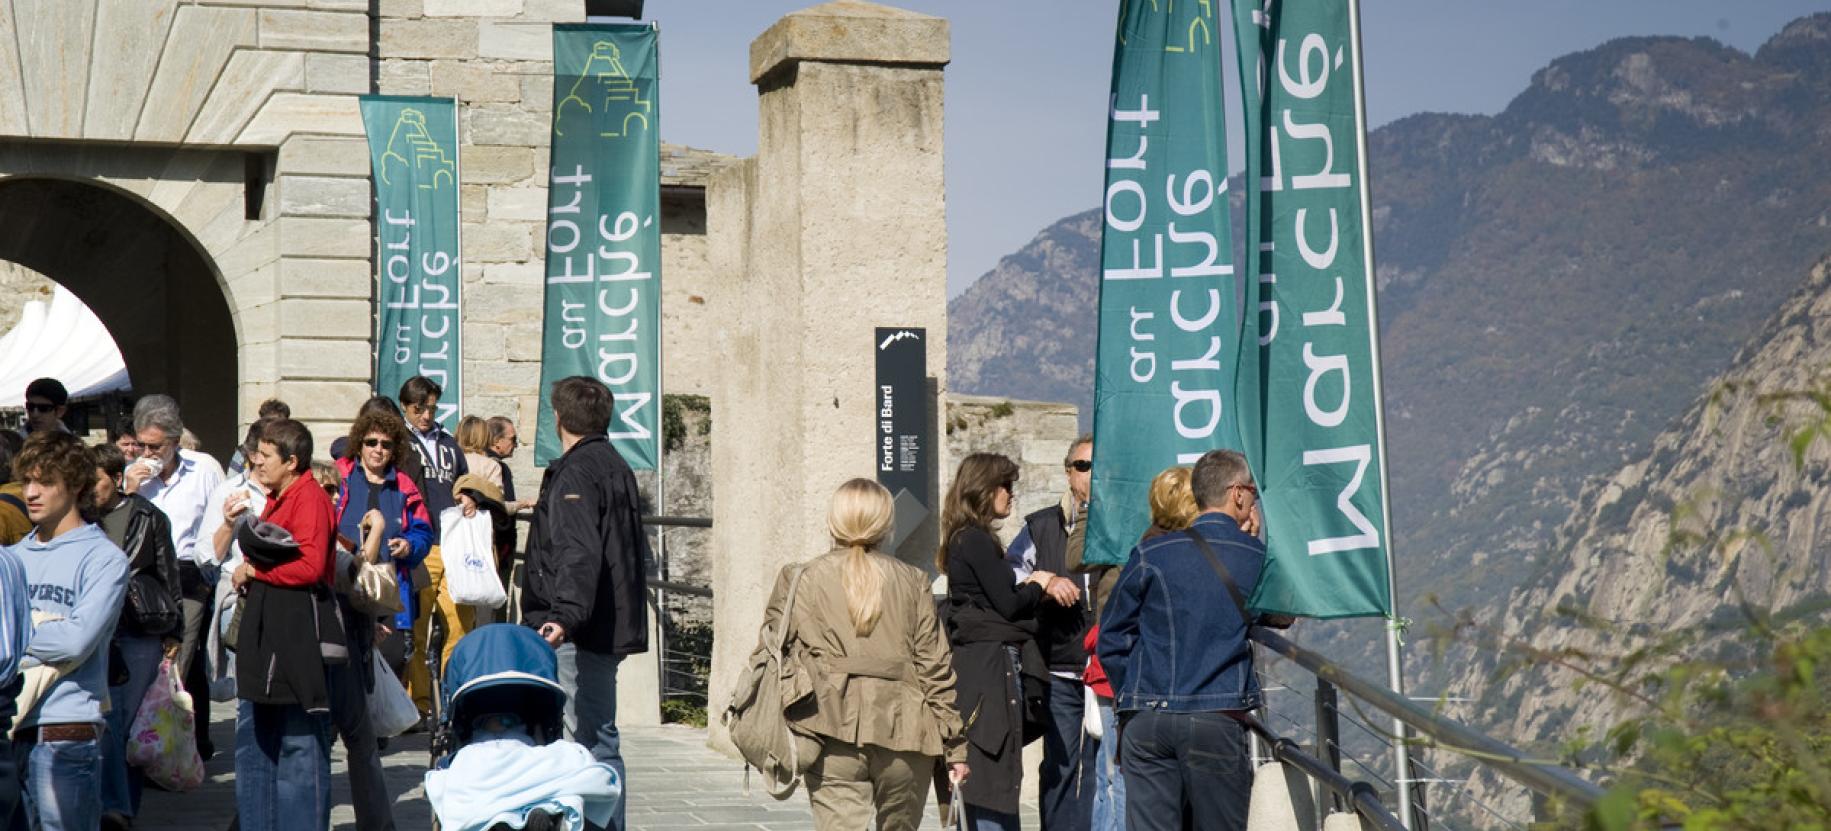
(457, 619)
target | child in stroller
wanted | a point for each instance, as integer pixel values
(499, 762)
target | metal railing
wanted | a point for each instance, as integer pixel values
(1541, 777)
(1362, 797)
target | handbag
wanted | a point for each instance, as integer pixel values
(150, 607)
(163, 739)
(757, 719)
(391, 709)
(372, 588)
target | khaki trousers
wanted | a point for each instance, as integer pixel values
(850, 785)
(458, 620)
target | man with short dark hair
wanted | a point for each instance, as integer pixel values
(1182, 678)
(46, 403)
(282, 729)
(270, 409)
(442, 462)
(141, 531)
(587, 584)
(77, 580)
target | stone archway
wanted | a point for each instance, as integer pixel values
(157, 293)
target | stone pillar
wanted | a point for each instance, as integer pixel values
(835, 228)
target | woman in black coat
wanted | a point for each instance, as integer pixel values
(991, 622)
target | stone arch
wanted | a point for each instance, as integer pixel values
(155, 289)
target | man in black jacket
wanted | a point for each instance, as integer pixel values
(1065, 784)
(148, 627)
(586, 577)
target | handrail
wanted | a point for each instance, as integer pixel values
(1509, 760)
(1364, 798)
(647, 519)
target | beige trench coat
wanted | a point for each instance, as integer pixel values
(893, 688)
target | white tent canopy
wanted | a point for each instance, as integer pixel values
(64, 340)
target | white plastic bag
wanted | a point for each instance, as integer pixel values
(391, 709)
(468, 547)
(1090, 714)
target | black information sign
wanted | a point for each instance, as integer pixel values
(900, 426)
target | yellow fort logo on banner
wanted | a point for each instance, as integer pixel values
(604, 80)
(411, 145)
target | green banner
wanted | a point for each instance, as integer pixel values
(1310, 410)
(1168, 314)
(413, 151)
(603, 301)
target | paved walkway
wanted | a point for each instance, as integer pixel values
(677, 784)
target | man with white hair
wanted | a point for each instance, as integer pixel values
(179, 482)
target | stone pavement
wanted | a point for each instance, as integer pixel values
(677, 784)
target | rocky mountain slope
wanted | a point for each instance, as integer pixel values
(1556, 282)
(1729, 506)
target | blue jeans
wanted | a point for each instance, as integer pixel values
(1109, 786)
(350, 691)
(590, 681)
(121, 783)
(986, 819)
(1065, 786)
(282, 767)
(61, 781)
(1185, 770)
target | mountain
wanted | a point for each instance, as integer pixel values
(1556, 282)
(1727, 509)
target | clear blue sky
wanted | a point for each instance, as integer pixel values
(1027, 87)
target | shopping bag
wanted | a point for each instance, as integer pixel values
(467, 544)
(163, 739)
(391, 709)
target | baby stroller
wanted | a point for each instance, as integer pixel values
(502, 699)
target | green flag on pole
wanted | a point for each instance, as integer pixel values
(1168, 316)
(603, 296)
(413, 153)
(1309, 395)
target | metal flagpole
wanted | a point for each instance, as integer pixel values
(1395, 664)
(661, 438)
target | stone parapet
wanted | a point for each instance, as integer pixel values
(848, 31)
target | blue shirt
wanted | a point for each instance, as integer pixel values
(15, 615)
(81, 578)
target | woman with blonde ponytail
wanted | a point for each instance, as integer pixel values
(863, 628)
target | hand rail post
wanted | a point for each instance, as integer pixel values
(1328, 741)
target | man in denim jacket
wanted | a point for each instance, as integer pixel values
(1174, 646)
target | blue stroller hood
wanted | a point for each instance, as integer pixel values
(500, 655)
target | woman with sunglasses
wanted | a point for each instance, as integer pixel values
(373, 482)
(991, 623)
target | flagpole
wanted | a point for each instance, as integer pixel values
(1395, 664)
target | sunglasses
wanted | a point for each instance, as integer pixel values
(384, 444)
(39, 408)
(1081, 465)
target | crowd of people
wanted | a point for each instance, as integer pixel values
(143, 556)
(1135, 677)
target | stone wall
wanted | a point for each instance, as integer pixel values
(1035, 434)
(18, 286)
(496, 58)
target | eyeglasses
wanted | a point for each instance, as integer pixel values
(1081, 465)
(384, 444)
(1252, 489)
(39, 408)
